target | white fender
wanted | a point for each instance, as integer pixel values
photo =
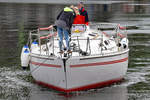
(25, 58)
(34, 45)
(124, 42)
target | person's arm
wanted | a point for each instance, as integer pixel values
(71, 19)
(46, 28)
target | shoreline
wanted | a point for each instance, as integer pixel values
(63, 1)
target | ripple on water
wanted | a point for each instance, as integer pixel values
(12, 86)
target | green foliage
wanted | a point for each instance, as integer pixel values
(21, 36)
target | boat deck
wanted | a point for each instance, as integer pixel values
(83, 42)
(86, 44)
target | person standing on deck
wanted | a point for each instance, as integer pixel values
(64, 23)
(79, 19)
(83, 13)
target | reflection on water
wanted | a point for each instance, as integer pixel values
(16, 84)
(108, 93)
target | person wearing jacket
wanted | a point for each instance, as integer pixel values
(83, 13)
(64, 23)
(79, 19)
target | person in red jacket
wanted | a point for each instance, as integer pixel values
(83, 13)
(79, 19)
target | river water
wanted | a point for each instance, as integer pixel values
(17, 84)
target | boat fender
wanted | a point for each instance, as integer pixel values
(34, 45)
(25, 57)
(124, 43)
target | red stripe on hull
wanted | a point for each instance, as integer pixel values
(100, 63)
(47, 65)
(90, 86)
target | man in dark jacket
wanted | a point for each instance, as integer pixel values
(83, 12)
(64, 23)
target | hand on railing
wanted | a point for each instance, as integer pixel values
(46, 28)
(121, 27)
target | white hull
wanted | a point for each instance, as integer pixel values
(79, 73)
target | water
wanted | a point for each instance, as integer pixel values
(16, 84)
